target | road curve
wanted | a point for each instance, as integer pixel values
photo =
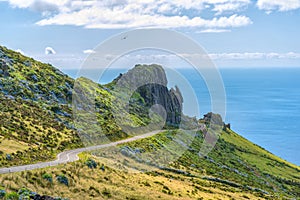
(71, 155)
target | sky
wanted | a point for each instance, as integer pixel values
(235, 33)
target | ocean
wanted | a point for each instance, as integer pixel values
(262, 104)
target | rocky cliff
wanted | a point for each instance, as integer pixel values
(150, 83)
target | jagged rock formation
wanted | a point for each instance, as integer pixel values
(150, 82)
(214, 119)
(171, 100)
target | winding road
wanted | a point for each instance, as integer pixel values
(72, 155)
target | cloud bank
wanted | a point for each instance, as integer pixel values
(119, 14)
(281, 5)
(255, 55)
(219, 56)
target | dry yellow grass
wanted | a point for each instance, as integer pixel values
(12, 146)
(86, 183)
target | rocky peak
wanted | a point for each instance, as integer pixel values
(141, 75)
(151, 82)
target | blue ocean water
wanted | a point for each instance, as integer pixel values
(263, 104)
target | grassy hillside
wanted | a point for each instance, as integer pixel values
(36, 111)
(234, 161)
(104, 182)
(223, 174)
(29, 134)
(36, 124)
(32, 80)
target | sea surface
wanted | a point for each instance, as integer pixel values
(262, 104)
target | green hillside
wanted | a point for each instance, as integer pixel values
(36, 124)
(35, 114)
(36, 111)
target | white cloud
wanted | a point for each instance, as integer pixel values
(38, 5)
(118, 19)
(150, 57)
(49, 51)
(88, 51)
(230, 6)
(165, 8)
(137, 13)
(281, 5)
(214, 31)
(172, 60)
(255, 56)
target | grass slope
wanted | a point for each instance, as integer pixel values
(36, 111)
(35, 118)
(234, 161)
(104, 182)
(223, 174)
(29, 134)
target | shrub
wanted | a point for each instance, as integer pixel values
(48, 177)
(25, 194)
(102, 167)
(12, 196)
(91, 163)
(8, 157)
(62, 179)
(106, 192)
(146, 184)
(2, 193)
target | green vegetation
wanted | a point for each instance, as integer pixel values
(36, 124)
(48, 177)
(234, 161)
(32, 80)
(36, 111)
(121, 184)
(25, 194)
(62, 179)
(29, 134)
(91, 163)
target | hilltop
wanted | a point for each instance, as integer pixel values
(36, 124)
(36, 109)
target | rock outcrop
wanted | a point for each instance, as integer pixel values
(150, 82)
(170, 100)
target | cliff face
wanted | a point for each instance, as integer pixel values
(170, 100)
(150, 82)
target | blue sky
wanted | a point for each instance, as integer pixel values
(235, 33)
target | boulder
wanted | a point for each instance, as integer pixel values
(212, 118)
